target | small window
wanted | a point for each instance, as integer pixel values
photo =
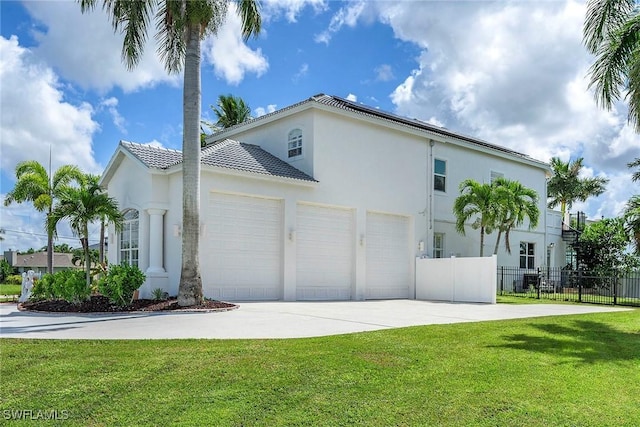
(438, 245)
(294, 147)
(439, 175)
(527, 255)
(495, 175)
(129, 238)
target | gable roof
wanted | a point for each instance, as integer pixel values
(226, 154)
(337, 103)
(39, 260)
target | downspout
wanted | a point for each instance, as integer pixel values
(430, 216)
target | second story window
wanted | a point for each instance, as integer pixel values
(294, 147)
(439, 175)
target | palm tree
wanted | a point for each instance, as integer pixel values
(631, 216)
(33, 184)
(231, 110)
(612, 33)
(82, 206)
(94, 179)
(476, 200)
(181, 25)
(514, 204)
(635, 164)
(566, 187)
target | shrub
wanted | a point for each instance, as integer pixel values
(120, 283)
(5, 270)
(69, 285)
(43, 288)
(158, 294)
(14, 279)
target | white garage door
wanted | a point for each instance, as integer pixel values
(243, 260)
(388, 258)
(325, 245)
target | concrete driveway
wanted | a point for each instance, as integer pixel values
(271, 319)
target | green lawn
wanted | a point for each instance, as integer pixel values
(556, 371)
(10, 290)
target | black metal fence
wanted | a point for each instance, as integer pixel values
(563, 284)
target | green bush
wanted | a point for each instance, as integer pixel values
(5, 270)
(69, 285)
(14, 279)
(120, 283)
(43, 288)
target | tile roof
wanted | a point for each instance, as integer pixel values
(153, 157)
(227, 154)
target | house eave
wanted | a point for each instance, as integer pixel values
(259, 176)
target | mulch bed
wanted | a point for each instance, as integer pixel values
(101, 304)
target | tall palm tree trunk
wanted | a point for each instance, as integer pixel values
(87, 256)
(481, 242)
(495, 249)
(190, 290)
(49, 245)
(101, 248)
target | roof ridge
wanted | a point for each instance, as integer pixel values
(153, 147)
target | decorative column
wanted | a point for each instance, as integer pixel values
(156, 240)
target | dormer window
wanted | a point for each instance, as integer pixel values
(295, 144)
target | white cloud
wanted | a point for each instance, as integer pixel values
(39, 119)
(384, 73)
(230, 56)
(348, 16)
(351, 97)
(111, 105)
(261, 111)
(302, 72)
(39, 116)
(272, 9)
(84, 49)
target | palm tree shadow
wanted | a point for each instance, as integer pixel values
(582, 340)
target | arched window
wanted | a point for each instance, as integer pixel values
(129, 238)
(295, 143)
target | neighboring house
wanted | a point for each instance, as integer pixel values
(325, 199)
(37, 261)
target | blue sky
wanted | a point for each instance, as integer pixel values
(513, 73)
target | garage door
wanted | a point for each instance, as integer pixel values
(243, 260)
(325, 245)
(388, 257)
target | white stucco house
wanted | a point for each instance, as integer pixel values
(324, 199)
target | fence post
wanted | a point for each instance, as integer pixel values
(579, 285)
(501, 280)
(539, 280)
(615, 288)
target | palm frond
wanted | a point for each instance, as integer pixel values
(635, 164)
(603, 17)
(613, 56)
(170, 35)
(249, 11)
